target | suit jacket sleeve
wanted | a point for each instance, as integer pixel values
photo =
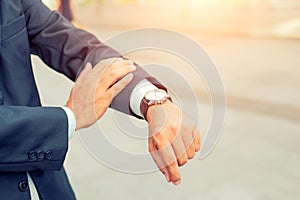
(32, 138)
(67, 49)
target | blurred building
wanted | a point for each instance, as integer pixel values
(281, 3)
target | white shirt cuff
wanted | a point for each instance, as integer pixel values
(71, 122)
(33, 192)
(138, 94)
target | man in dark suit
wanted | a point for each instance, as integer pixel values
(34, 139)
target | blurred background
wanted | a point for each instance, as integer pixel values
(255, 45)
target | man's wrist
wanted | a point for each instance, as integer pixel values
(71, 122)
(158, 108)
(152, 98)
(138, 94)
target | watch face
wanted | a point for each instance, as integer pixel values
(156, 95)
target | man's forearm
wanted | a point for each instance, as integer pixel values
(37, 137)
(68, 49)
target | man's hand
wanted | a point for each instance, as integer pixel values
(95, 88)
(173, 139)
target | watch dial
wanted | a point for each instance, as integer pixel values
(160, 95)
(156, 95)
(151, 95)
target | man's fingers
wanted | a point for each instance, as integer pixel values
(182, 160)
(174, 173)
(120, 85)
(189, 145)
(179, 150)
(111, 76)
(109, 64)
(168, 156)
(159, 162)
(197, 140)
(84, 72)
(103, 65)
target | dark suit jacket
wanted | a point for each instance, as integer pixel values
(33, 138)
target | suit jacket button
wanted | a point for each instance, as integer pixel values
(40, 154)
(23, 186)
(32, 155)
(49, 155)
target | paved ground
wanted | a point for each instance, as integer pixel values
(258, 156)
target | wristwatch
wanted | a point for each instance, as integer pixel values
(153, 97)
